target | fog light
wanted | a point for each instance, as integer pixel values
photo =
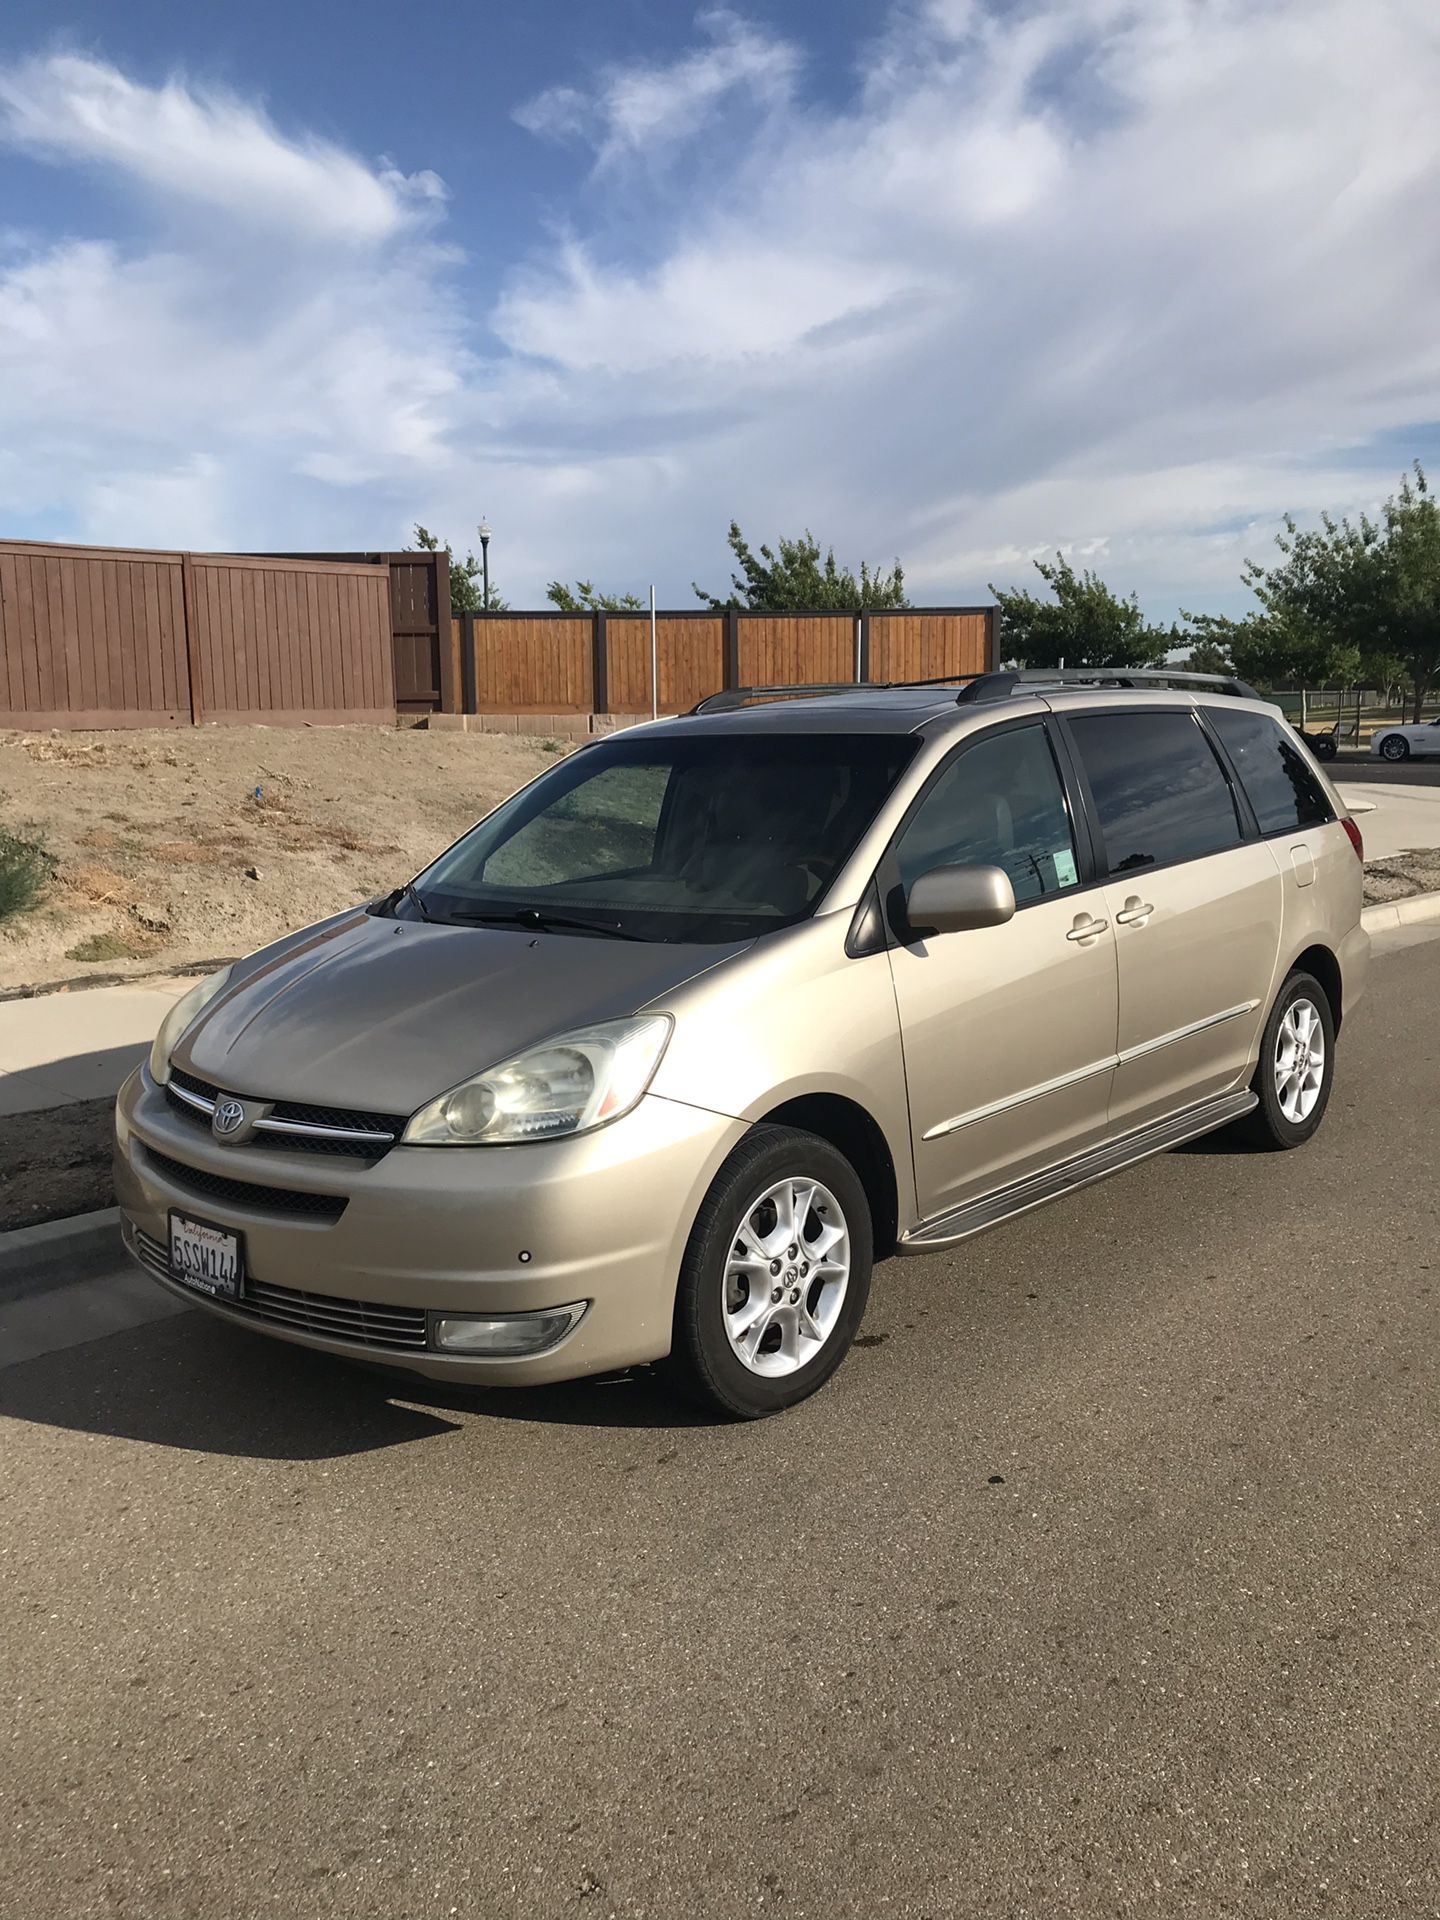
(504, 1336)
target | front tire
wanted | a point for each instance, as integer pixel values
(1296, 1069)
(1394, 748)
(775, 1277)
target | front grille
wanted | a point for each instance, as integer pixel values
(359, 1323)
(345, 1119)
(246, 1193)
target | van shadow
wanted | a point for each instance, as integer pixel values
(191, 1383)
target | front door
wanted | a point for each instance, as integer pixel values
(1195, 901)
(1008, 1032)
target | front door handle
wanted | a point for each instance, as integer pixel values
(1086, 928)
(1134, 913)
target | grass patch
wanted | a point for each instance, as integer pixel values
(115, 946)
(24, 868)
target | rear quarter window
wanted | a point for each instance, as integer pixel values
(1282, 786)
(1160, 794)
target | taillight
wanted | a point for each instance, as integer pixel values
(1355, 840)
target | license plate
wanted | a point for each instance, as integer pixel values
(209, 1259)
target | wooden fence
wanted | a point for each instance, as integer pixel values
(115, 637)
(566, 663)
(112, 637)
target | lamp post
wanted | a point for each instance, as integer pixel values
(484, 532)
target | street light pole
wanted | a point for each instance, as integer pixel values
(484, 532)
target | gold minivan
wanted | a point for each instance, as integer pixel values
(656, 1061)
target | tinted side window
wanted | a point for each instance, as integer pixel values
(998, 803)
(1160, 795)
(1284, 788)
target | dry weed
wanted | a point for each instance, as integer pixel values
(101, 886)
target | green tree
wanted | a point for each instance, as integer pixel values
(467, 595)
(582, 598)
(791, 577)
(1276, 649)
(1209, 656)
(1350, 597)
(1085, 624)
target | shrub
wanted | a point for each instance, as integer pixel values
(24, 868)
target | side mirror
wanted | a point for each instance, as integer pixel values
(959, 899)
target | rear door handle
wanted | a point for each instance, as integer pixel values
(1134, 913)
(1086, 929)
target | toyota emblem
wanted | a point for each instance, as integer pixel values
(229, 1118)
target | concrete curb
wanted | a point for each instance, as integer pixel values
(1411, 911)
(33, 1259)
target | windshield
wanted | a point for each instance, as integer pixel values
(710, 837)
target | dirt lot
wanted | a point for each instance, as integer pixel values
(176, 848)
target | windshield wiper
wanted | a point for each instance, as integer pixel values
(543, 921)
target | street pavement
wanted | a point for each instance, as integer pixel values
(1103, 1579)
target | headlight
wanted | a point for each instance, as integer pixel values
(569, 1085)
(179, 1018)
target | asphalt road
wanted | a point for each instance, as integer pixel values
(1104, 1579)
(1347, 769)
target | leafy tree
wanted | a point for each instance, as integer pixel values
(467, 595)
(1276, 649)
(1348, 598)
(582, 598)
(791, 577)
(1209, 656)
(1085, 625)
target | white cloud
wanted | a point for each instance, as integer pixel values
(1114, 271)
(275, 374)
(1132, 276)
(203, 146)
(645, 108)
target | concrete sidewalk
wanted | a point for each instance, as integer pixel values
(1394, 818)
(78, 1045)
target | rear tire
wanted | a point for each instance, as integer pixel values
(1394, 748)
(1296, 1069)
(775, 1278)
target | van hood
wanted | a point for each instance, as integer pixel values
(382, 1015)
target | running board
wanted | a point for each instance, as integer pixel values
(1097, 1163)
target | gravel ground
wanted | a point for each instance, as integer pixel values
(1415, 871)
(180, 847)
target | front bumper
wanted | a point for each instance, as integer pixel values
(603, 1217)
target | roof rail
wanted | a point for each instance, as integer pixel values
(733, 697)
(1000, 686)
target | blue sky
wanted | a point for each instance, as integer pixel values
(954, 281)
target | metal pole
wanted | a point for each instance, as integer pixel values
(485, 567)
(654, 661)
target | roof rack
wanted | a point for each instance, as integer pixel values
(1000, 686)
(981, 687)
(733, 697)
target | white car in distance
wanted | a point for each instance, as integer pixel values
(1398, 743)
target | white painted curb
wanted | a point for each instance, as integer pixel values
(1409, 912)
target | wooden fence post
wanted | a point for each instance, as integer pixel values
(864, 649)
(600, 665)
(992, 639)
(731, 674)
(469, 683)
(192, 639)
(445, 637)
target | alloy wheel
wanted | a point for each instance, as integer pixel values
(786, 1276)
(1299, 1061)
